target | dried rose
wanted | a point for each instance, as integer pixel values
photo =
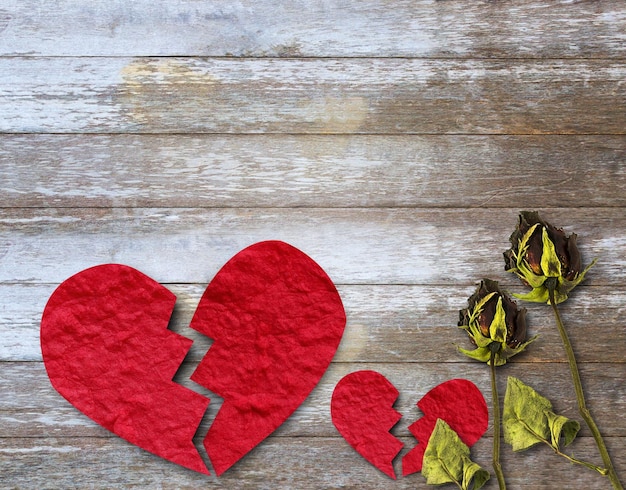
(494, 324)
(544, 258)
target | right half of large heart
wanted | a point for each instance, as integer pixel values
(276, 319)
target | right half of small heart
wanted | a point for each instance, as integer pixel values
(362, 411)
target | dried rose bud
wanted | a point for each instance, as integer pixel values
(544, 258)
(494, 325)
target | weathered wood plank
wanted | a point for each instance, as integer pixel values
(385, 323)
(312, 96)
(355, 246)
(311, 171)
(49, 415)
(307, 463)
(372, 28)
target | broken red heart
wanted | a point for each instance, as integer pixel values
(276, 320)
(362, 411)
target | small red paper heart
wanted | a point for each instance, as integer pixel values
(107, 350)
(276, 319)
(362, 411)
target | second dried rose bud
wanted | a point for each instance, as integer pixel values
(494, 324)
(544, 258)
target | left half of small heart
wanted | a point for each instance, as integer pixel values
(107, 350)
(362, 411)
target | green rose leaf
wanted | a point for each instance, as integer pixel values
(473, 472)
(562, 427)
(523, 417)
(446, 460)
(528, 419)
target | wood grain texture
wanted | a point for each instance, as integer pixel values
(355, 246)
(392, 141)
(311, 171)
(312, 96)
(80, 462)
(370, 28)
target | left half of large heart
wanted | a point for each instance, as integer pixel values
(107, 349)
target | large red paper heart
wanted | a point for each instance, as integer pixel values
(362, 411)
(276, 320)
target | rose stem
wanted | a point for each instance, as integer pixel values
(496, 423)
(580, 395)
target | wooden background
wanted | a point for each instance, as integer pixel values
(392, 141)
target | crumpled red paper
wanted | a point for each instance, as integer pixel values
(107, 350)
(277, 320)
(362, 411)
